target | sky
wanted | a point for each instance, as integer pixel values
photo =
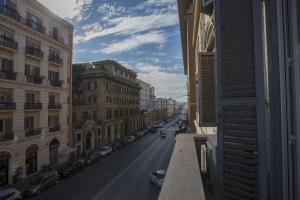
(143, 35)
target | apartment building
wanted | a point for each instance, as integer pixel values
(112, 102)
(169, 105)
(35, 56)
(256, 67)
(145, 96)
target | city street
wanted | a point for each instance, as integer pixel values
(123, 175)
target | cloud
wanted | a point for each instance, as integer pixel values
(166, 84)
(68, 8)
(145, 67)
(135, 41)
(111, 10)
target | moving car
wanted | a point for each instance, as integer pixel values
(71, 168)
(153, 129)
(131, 138)
(157, 177)
(41, 183)
(92, 158)
(10, 194)
(105, 150)
(163, 134)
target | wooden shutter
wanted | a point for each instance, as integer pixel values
(207, 97)
(240, 73)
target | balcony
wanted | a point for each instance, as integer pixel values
(9, 43)
(56, 37)
(56, 83)
(35, 52)
(79, 102)
(36, 26)
(33, 132)
(5, 75)
(33, 106)
(7, 136)
(11, 12)
(55, 59)
(54, 106)
(54, 128)
(7, 106)
(36, 79)
(184, 166)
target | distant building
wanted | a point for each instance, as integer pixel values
(169, 105)
(35, 56)
(145, 96)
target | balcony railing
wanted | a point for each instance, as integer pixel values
(7, 106)
(34, 52)
(54, 128)
(79, 102)
(37, 26)
(11, 12)
(56, 37)
(6, 136)
(36, 79)
(54, 106)
(33, 106)
(8, 42)
(56, 83)
(8, 75)
(55, 59)
(33, 132)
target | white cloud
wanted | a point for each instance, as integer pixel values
(81, 50)
(135, 41)
(166, 84)
(145, 67)
(111, 10)
(67, 8)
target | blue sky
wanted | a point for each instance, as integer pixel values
(140, 34)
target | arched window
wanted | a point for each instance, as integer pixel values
(31, 159)
(53, 148)
(4, 167)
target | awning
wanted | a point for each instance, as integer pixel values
(66, 151)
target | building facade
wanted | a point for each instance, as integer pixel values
(145, 96)
(35, 56)
(112, 109)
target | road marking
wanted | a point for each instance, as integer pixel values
(103, 190)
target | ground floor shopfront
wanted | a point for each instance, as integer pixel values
(20, 159)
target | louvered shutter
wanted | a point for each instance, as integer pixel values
(241, 128)
(207, 97)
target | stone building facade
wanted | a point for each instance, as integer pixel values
(35, 56)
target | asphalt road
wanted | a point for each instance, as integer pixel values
(123, 175)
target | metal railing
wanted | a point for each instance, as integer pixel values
(8, 42)
(54, 106)
(56, 83)
(35, 25)
(33, 132)
(34, 52)
(8, 75)
(7, 106)
(55, 59)
(6, 136)
(33, 106)
(54, 128)
(36, 79)
(11, 12)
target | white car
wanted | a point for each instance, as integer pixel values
(10, 194)
(105, 150)
(130, 138)
(157, 177)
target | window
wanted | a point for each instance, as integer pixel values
(92, 99)
(92, 85)
(33, 44)
(95, 115)
(78, 138)
(53, 53)
(6, 96)
(29, 123)
(30, 98)
(51, 99)
(55, 33)
(53, 76)
(31, 70)
(74, 116)
(85, 115)
(108, 114)
(53, 120)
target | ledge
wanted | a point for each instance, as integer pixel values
(183, 179)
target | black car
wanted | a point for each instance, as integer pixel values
(92, 158)
(71, 168)
(41, 183)
(117, 145)
(153, 129)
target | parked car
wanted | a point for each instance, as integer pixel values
(116, 145)
(10, 194)
(105, 150)
(163, 134)
(157, 177)
(153, 129)
(41, 183)
(131, 138)
(71, 168)
(92, 158)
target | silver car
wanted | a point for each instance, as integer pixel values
(10, 194)
(157, 177)
(105, 150)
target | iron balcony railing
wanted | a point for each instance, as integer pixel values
(8, 42)
(54, 128)
(33, 132)
(11, 12)
(7, 106)
(56, 37)
(36, 79)
(34, 52)
(6, 75)
(6, 136)
(54, 106)
(36, 26)
(33, 106)
(56, 83)
(55, 59)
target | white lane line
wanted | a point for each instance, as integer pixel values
(106, 187)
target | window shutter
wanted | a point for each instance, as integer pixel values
(207, 97)
(241, 126)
